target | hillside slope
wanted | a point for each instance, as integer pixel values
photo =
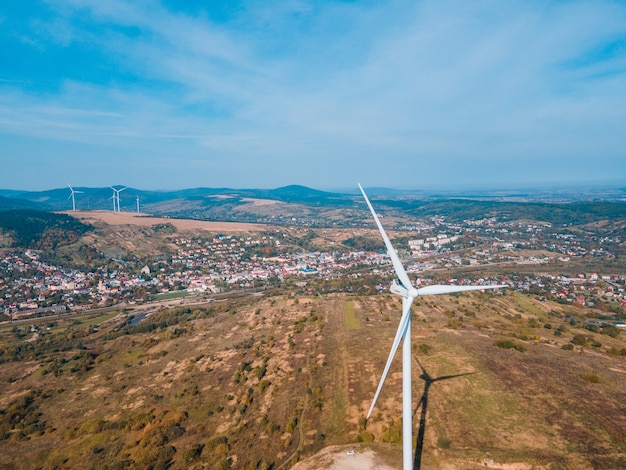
(261, 382)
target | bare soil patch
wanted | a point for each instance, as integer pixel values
(338, 458)
(260, 202)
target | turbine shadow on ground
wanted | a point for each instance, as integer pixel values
(428, 381)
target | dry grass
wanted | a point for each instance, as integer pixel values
(350, 320)
(141, 220)
(270, 381)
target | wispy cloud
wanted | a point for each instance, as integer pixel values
(290, 90)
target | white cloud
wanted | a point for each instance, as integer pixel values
(347, 85)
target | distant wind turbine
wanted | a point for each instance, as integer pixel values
(137, 203)
(403, 287)
(116, 197)
(113, 197)
(72, 193)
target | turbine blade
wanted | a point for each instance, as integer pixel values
(397, 265)
(442, 289)
(402, 330)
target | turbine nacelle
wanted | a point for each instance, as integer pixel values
(398, 288)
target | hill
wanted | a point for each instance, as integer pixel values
(9, 203)
(302, 206)
(264, 381)
(25, 228)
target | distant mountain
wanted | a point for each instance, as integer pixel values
(101, 198)
(311, 207)
(303, 194)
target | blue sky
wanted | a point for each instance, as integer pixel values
(406, 94)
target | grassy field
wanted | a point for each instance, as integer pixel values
(96, 320)
(171, 295)
(265, 382)
(350, 320)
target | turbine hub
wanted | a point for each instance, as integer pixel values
(413, 292)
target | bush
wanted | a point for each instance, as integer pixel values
(509, 344)
(218, 446)
(590, 377)
(263, 384)
(612, 331)
(444, 443)
(193, 453)
(159, 457)
(365, 436)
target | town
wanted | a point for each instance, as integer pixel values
(531, 257)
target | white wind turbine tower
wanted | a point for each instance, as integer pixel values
(113, 197)
(116, 197)
(403, 287)
(72, 193)
(137, 203)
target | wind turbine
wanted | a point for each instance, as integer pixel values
(113, 197)
(403, 287)
(72, 192)
(116, 196)
(137, 203)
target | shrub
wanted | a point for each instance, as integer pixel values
(444, 443)
(509, 344)
(193, 453)
(580, 340)
(393, 433)
(157, 457)
(362, 423)
(614, 351)
(218, 446)
(263, 384)
(365, 436)
(590, 377)
(611, 330)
